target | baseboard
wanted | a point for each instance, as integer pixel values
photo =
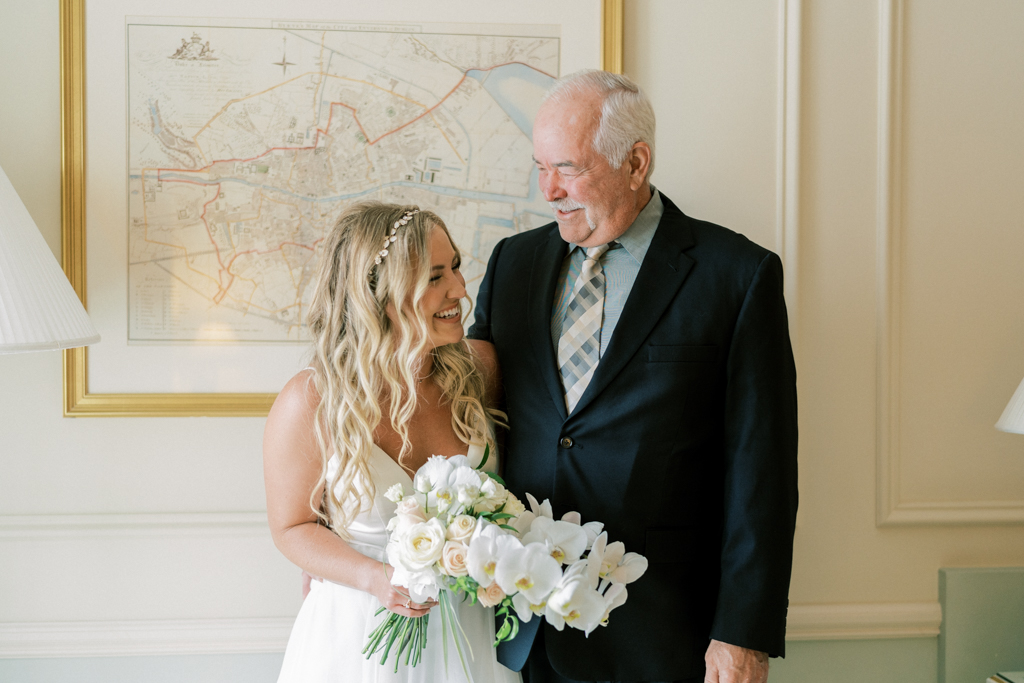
(240, 636)
(864, 621)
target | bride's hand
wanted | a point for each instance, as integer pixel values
(396, 598)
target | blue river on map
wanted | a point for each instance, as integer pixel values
(511, 84)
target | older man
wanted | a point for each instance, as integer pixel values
(650, 384)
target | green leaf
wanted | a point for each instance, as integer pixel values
(496, 478)
(502, 515)
(483, 461)
(507, 527)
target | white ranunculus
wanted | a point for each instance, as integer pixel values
(433, 475)
(486, 548)
(419, 546)
(568, 541)
(394, 493)
(461, 528)
(575, 603)
(466, 477)
(492, 496)
(513, 505)
(422, 585)
(530, 570)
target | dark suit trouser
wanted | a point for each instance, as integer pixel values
(538, 669)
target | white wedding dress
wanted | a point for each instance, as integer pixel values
(335, 621)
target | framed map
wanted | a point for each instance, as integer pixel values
(233, 143)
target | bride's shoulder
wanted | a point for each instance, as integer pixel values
(297, 402)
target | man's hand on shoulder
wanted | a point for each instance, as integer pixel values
(734, 664)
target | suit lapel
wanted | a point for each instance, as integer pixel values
(547, 260)
(661, 274)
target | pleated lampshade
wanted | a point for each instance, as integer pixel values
(39, 309)
(1012, 419)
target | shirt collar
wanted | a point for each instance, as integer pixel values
(637, 238)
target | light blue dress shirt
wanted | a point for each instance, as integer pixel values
(620, 263)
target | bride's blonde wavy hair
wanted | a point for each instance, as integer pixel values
(361, 354)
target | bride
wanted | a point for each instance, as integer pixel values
(392, 382)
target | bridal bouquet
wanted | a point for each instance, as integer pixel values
(460, 532)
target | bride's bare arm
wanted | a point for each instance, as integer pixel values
(291, 469)
(487, 359)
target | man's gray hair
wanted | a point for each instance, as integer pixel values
(627, 116)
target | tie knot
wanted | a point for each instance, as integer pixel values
(595, 253)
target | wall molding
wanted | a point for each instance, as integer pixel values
(20, 640)
(63, 527)
(864, 621)
(787, 154)
(891, 510)
(151, 637)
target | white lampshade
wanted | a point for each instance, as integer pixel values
(1012, 419)
(39, 309)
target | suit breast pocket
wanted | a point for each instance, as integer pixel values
(682, 354)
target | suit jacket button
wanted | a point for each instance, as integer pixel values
(566, 442)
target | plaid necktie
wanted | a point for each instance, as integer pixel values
(579, 346)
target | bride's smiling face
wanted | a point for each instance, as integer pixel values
(441, 305)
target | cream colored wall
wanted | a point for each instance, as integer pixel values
(105, 520)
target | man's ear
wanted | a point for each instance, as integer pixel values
(639, 160)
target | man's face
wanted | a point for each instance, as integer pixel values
(593, 202)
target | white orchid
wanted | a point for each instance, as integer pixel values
(614, 597)
(486, 548)
(526, 609)
(574, 602)
(530, 570)
(621, 567)
(540, 509)
(567, 541)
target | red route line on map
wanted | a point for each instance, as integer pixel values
(330, 118)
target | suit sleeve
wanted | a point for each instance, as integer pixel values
(760, 490)
(481, 327)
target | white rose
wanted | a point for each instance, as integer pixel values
(490, 596)
(453, 558)
(461, 529)
(420, 546)
(407, 513)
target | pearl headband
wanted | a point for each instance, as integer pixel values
(390, 239)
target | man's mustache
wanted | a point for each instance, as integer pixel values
(565, 204)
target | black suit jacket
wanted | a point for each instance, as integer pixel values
(684, 443)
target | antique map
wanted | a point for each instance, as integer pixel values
(246, 140)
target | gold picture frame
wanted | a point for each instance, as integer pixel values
(78, 401)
